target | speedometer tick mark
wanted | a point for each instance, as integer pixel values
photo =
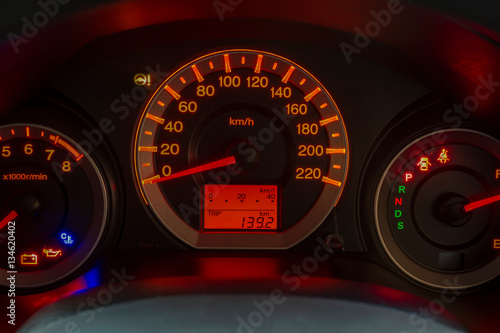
(199, 77)
(155, 118)
(153, 149)
(312, 94)
(160, 103)
(335, 150)
(302, 81)
(275, 65)
(331, 181)
(149, 180)
(172, 92)
(227, 64)
(328, 120)
(288, 74)
(259, 63)
(324, 105)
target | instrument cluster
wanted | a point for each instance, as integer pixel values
(249, 138)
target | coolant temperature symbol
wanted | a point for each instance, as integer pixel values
(67, 239)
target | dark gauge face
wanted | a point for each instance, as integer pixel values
(241, 149)
(52, 204)
(437, 205)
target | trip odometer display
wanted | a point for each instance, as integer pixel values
(241, 149)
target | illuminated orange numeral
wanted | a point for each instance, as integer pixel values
(166, 170)
(296, 109)
(6, 151)
(308, 173)
(311, 150)
(188, 106)
(66, 166)
(28, 149)
(50, 151)
(202, 91)
(170, 149)
(281, 92)
(306, 129)
(229, 81)
(257, 82)
(177, 126)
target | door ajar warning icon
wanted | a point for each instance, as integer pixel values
(424, 164)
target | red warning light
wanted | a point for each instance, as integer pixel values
(443, 156)
(29, 259)
(424, 164)
(408, 176)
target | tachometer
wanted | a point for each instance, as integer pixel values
(241, 149)
(53, 206)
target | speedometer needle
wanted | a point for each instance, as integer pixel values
(213, 165)
(481, 203)
(12, 215)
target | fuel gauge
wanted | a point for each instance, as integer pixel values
(438, 208)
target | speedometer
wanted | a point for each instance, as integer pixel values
(241, 149)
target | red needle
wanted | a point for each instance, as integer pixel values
(201, 168)
(481, 203)
(12, 215)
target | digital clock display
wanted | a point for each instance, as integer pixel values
(241, 207)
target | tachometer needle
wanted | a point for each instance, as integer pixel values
(12, 215)
(481, 203)
(213, 165)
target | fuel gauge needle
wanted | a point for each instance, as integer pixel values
(481, 203)
(205, 167)
(12, 215)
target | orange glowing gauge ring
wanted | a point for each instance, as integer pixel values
(241, 149)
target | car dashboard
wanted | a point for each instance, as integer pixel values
(249, 166)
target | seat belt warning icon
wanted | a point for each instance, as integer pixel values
(443, 157)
